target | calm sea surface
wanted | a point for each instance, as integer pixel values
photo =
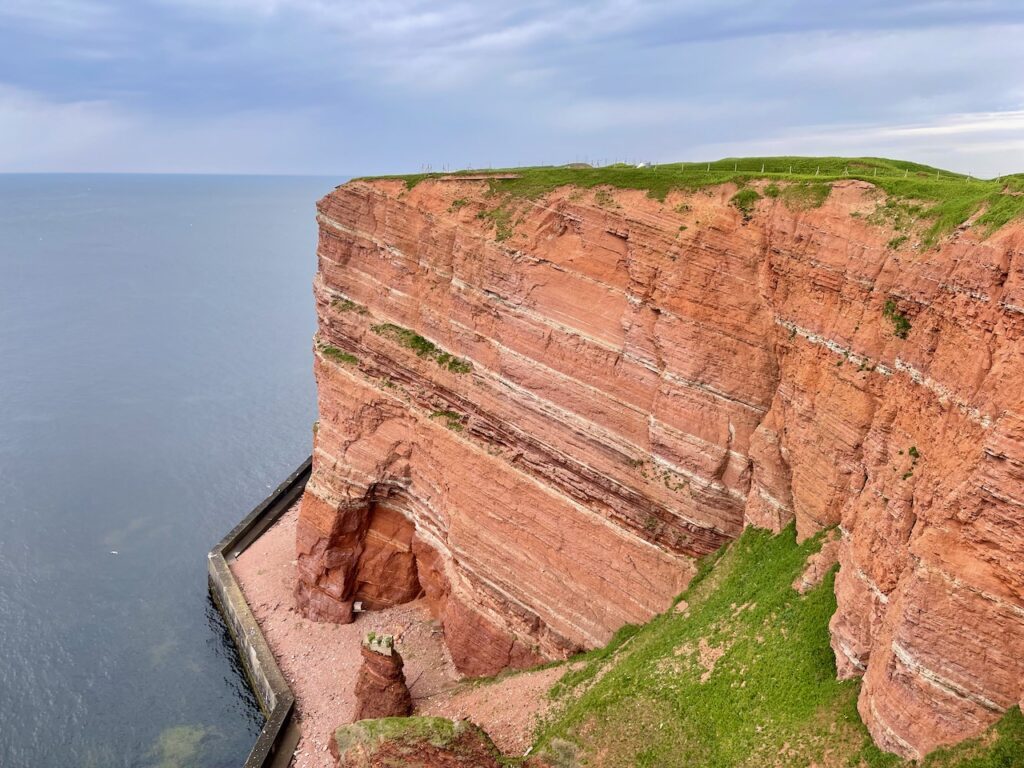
(155, 383)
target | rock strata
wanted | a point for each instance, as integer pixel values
(380, 688)
(538, 424)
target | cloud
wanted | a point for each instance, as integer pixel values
(38, 134)
(64, 16)
(438, 45)
(386, 85)
(985, 144)
(36, 131)
(665, 113)
(970, 126)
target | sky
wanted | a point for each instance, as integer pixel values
(356, 87)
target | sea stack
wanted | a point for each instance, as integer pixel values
(381, 690)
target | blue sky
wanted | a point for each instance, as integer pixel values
(360, 86)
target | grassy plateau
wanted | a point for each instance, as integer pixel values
(942, 199)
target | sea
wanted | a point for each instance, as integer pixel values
(155, 384)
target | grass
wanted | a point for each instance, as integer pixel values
(593, 661)
(452, 419)
(745, 200)
(338, 355)
(347, 305)
(800, 196)
(501, 218)
(900, 323)
(775, 674)
(805, 195)
(942, 200)
(1001, 747)
(422, 347)
(743, 676)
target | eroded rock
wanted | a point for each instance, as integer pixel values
(413, 742)
(568, 415)
(380, 688)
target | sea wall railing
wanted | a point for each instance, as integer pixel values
(280, 734)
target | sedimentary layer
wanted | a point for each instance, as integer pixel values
(538, 412)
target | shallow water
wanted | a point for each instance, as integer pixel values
(155, 383)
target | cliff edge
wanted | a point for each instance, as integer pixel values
(543, 394)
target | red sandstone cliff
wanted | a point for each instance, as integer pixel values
(636, 381)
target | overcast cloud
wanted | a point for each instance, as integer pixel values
(364, 86)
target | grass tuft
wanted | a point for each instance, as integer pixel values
(745, 200)
(337, 355)
(452, 419)
(900, 323)
(501, 218)
(806, 195)
(347, 305)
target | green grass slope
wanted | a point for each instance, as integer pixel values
(943, 199)
(741, 674)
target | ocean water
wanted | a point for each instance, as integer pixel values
(155, 384)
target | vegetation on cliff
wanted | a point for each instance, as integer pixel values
(943, 199)
(337, 355)
(414, 742)
(452, 419)
(900, 323)
(745, 200)
(422, 347)
(738, 673)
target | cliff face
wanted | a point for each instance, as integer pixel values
(539, 412)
